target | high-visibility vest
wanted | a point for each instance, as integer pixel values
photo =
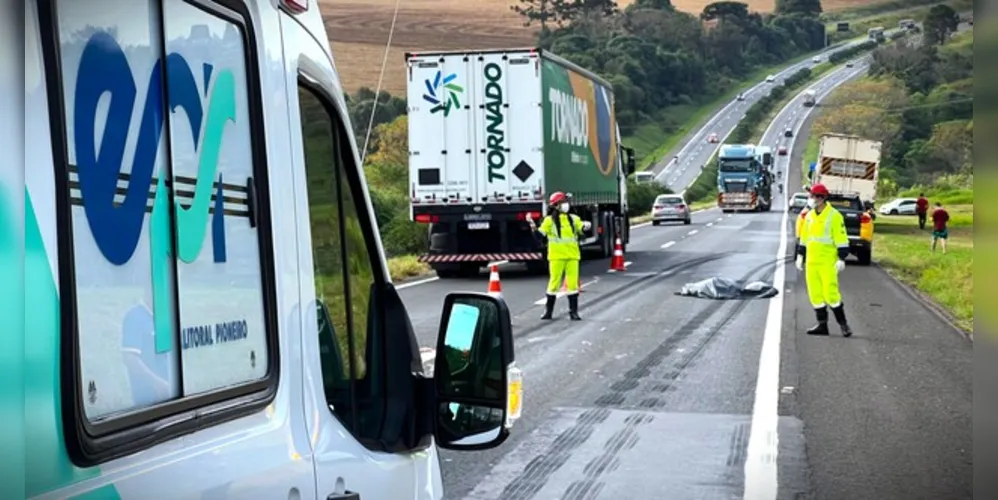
(564, 246)
(823, 234)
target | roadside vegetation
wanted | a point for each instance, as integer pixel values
(918, 100)
(669, 70)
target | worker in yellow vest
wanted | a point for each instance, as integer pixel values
(822, 248)
(562, 231)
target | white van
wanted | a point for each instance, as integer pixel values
(208, 308)
(644, 177)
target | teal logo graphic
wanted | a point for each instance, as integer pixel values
(116, 228)
(443, 93)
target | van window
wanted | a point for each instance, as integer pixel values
(342, 264)
(169, 264)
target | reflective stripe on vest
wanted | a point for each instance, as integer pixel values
(825, 238)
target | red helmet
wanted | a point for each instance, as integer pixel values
(556, 198)
(819, 190)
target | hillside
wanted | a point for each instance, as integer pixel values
(359, 29)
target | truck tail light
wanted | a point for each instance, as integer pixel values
(427, 218)
(296, 6)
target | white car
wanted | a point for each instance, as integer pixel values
(816, 59)
(670, 207)
(771, 78)
(797, 202)
(899, 206)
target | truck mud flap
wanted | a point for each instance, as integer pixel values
(481, 257)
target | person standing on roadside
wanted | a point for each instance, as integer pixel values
(562, 231)
(939, 231)
(922, 209)
(823, 247)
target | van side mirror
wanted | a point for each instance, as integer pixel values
(476, 384)
(629, 162)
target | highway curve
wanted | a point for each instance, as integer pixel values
(657, 396)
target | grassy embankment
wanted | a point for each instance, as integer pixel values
(886, 14)
(903, 250)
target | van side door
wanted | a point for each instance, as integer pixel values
(343, 279)
(156, 363)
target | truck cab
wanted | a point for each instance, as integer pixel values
(208, 309)
(744, 180)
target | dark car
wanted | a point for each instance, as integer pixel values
(859, 224)
(788, 133)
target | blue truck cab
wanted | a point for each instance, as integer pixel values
(744, 179)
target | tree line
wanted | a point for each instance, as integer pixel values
(917, 100)
(654, 55)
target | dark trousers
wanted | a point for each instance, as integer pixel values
(921, 220)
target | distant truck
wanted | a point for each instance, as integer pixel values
(810, 97)
(492, 134)
(744, 179)
(849, 164)
(906, 24)
(877, 34)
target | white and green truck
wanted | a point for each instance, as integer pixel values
(492, 133)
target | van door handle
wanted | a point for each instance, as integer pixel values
(348, 495)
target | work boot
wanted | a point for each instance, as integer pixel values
(822, 327)
(573, 307)
(549, 306)
(840, 317)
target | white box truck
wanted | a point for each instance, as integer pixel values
(849, 164)
(492, 133)
(810, 97)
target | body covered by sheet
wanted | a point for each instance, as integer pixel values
(725, 289)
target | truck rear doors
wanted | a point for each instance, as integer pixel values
(475, 127)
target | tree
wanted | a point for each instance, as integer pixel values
(542, 11)
(809, 8)
(724, 11)
(652, 4)
(940, 22)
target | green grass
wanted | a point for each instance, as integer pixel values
(406, 266)
(887, 17)
(903, 250)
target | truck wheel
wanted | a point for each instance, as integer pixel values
(727, 211)
(865, 256)
(655, 222)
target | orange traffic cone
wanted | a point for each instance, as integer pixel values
(495, 287)
(617, 262)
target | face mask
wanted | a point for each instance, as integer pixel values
(564, 208)
(810, 203)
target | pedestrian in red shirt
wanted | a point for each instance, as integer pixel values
(939, 232)
(922, 209)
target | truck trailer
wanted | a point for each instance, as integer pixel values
(744, 178)
(849, 164)
(492, 133)
(810, 97)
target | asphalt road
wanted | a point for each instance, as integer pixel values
(657, 396)
(696, 151)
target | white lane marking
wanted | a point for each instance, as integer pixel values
(669, 244)
(710, 224)
(763, 445)
(719, 219)
(627, 264)
(761, 463)
(414, 283)
(427, 354)
(695, 231)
